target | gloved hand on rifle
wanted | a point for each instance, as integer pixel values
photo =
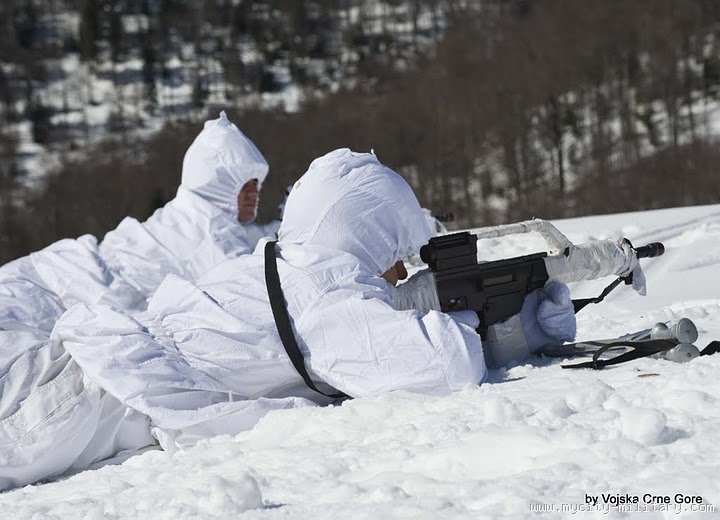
(632, 266)
(547, 318)
(418, 292)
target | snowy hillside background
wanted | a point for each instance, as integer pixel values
(536, 436)
(495, 110)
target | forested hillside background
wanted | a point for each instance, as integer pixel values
(495, 110)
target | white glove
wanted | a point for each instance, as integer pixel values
(548, 317)
(418, 292)
(632, 266)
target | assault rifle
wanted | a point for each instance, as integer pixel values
(496, 290)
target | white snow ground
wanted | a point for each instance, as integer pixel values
(537, 436)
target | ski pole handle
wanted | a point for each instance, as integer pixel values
(681, 353)
(683, 330)
(650, 250)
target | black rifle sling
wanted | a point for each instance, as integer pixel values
(639, 350)
(581, 303)
(282, 319)
(712, 348)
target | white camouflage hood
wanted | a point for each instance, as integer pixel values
(351, 202)
(219, 162)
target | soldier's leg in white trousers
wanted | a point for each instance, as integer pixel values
(54, 420)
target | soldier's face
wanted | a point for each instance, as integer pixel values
(395, 273)
(247, 201)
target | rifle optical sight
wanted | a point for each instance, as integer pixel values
(450, 251)
(650, 250)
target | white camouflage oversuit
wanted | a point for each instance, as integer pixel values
(206, 359)
(195, 231)
(52, 418)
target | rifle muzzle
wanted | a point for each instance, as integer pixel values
(650, 250)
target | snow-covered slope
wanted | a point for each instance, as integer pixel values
(535, 437)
